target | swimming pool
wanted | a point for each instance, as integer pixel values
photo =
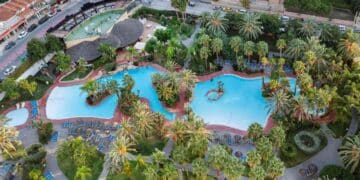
(95, 26)
(17, 117)
(70, 102)
(241, 104)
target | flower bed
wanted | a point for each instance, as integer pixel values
(307, 142)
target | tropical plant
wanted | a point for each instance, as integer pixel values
(8, 137)
(277, 136)
(36, 49)
(63, 62)
(204, 55)
(349, 45)
(217, 157)
(142, 119)
(257, 173)
(53, 43)
(108, 53)
(300, 108)
(234, 168)
(275, 168)
(249, 27)
(236, 44)
(200, 168)
(11, 88)
(30, 87)
(249, 48)
(82, 65)
(82, 173)
(253, 159)
(36, 174)
(350, 153)
(255, 131)
(91, 87)
(264, 147)
(281, 45)
(217, 46)
(120, 152)
(308, 28)
(295, 48)
(280, 103)
(216, 23)
(132, 52)
(262, 49)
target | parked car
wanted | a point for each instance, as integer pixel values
(241, 11)
(52, 13)
(22, 34)
(44, 19)
(9, 70)
(285, 18)
(191, 3)
(31, 28)
(342, 28)
(9, 45)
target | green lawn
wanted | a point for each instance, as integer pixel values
(301, 156)
(77, 75)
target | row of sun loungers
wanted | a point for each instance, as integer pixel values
(34, 109)
(231, 139)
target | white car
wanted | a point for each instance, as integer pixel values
(9, 70)
(22, 34)
(342, 28)
(51, 14)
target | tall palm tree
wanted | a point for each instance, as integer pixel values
(91, 87)
(277, 136)
(8, 137)
(142, 120)
(308, 28)
(234, 168)
(204, 40)
(126, 130)
(176, 5)
(349, 45)
(204, 55)
(350, 153)
(200, 168)
(216, 23)
(83, 173)
(108, 53)
(249, 48)
(281, 45)
(262, 49)
(120, 151)
(300, 108)
(264, 147)
(296, 48)
(276, 168)
(253, 159)
(217, 46)
(250, 26)
(178, 131)
(255, 131)
(182, 8)
(236, 44)
(151, 172)
(280, 103)
(217, 158)
(257, 173)
(169, 171)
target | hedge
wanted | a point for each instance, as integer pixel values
(336, 172)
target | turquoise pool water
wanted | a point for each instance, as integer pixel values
(95, 26)
(17, 117)
(241, 104)
(70, 102)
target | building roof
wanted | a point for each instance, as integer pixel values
(6, 14)
(123, 34)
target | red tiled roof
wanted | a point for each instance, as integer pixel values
(6, 13)
(21, 2)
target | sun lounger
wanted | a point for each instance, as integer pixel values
(48, 175)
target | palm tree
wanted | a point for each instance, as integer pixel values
(250, 26)
(126, 130)
(188, 78)
(204, 18)
(151, 172)
(81, 65)
(182, 8)
(200, 168)
(349, 46)
(236, 44)
(257, 173)
(234, 168)
(169, 171)
(91, 87)
(204, 55)
(142, 119)
(264, 147)
(253, 159)
(299, 68)
(176, 5)
(249, 48)
(262, 49)
(296, 48)
(178, 131)
(305, 83)
(300, 108)
(132, 52)
(276, 168)
(280, 103)
(216, 23)
(280, 45)
(308, 28)
(120, 152)
(350, 153)
(277, 136)
(217, 158)
(108, 53)
(83, 173)
(8, 137)
(204, 40)
(217, 46)
(255, 131)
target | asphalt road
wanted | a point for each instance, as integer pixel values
(14, 55)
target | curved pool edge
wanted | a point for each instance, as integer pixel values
(12, 108)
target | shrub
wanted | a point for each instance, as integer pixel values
(307, 142)
(45, 131)
(336, 172)
(322, 7)
(35, 159)
(288, 150)
(109, 67)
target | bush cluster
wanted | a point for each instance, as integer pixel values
(321, 7)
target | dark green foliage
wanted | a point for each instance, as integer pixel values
(355, 5)
(45, 131)
(146, 147)
(109, 67)
(336, 172)
(35, 159)
(127, 98)
(321, 7)
(271, 23)
(151, 46)
(163, 35)
(36, 49)
(288, 150)
(53, 44)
